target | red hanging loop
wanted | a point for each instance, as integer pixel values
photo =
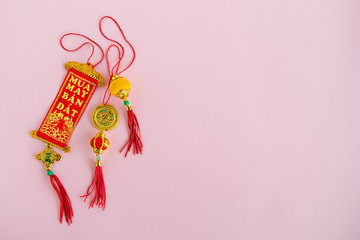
(121, 52)
(117, 65)
(111, 72)
(112, 40)
(90, 42)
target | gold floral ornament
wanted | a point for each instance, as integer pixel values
(48, 157)
(58, 126)
(65, 149)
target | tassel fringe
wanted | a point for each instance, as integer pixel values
(134, 136)
(65, 203)
(98, 187)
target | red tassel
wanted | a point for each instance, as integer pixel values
(135, 135)
(65, 203)
(98, 185)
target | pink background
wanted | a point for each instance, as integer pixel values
(249, 113)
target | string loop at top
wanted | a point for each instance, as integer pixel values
(114, 41)
(90, 42)
(112, 72)
(121, 52)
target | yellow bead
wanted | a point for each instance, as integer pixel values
(119, 86)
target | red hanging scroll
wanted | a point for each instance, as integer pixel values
(69, 104)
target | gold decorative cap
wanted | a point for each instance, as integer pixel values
(86, 69)
(119, 87)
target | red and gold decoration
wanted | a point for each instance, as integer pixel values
(64, 114)
(105, 118)
(120, 87)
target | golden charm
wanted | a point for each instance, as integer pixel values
(105, 117)
(48, 157)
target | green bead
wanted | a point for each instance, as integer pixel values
(126, 102)
(49, 172)
(98, 158)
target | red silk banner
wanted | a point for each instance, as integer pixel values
(67, 109)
